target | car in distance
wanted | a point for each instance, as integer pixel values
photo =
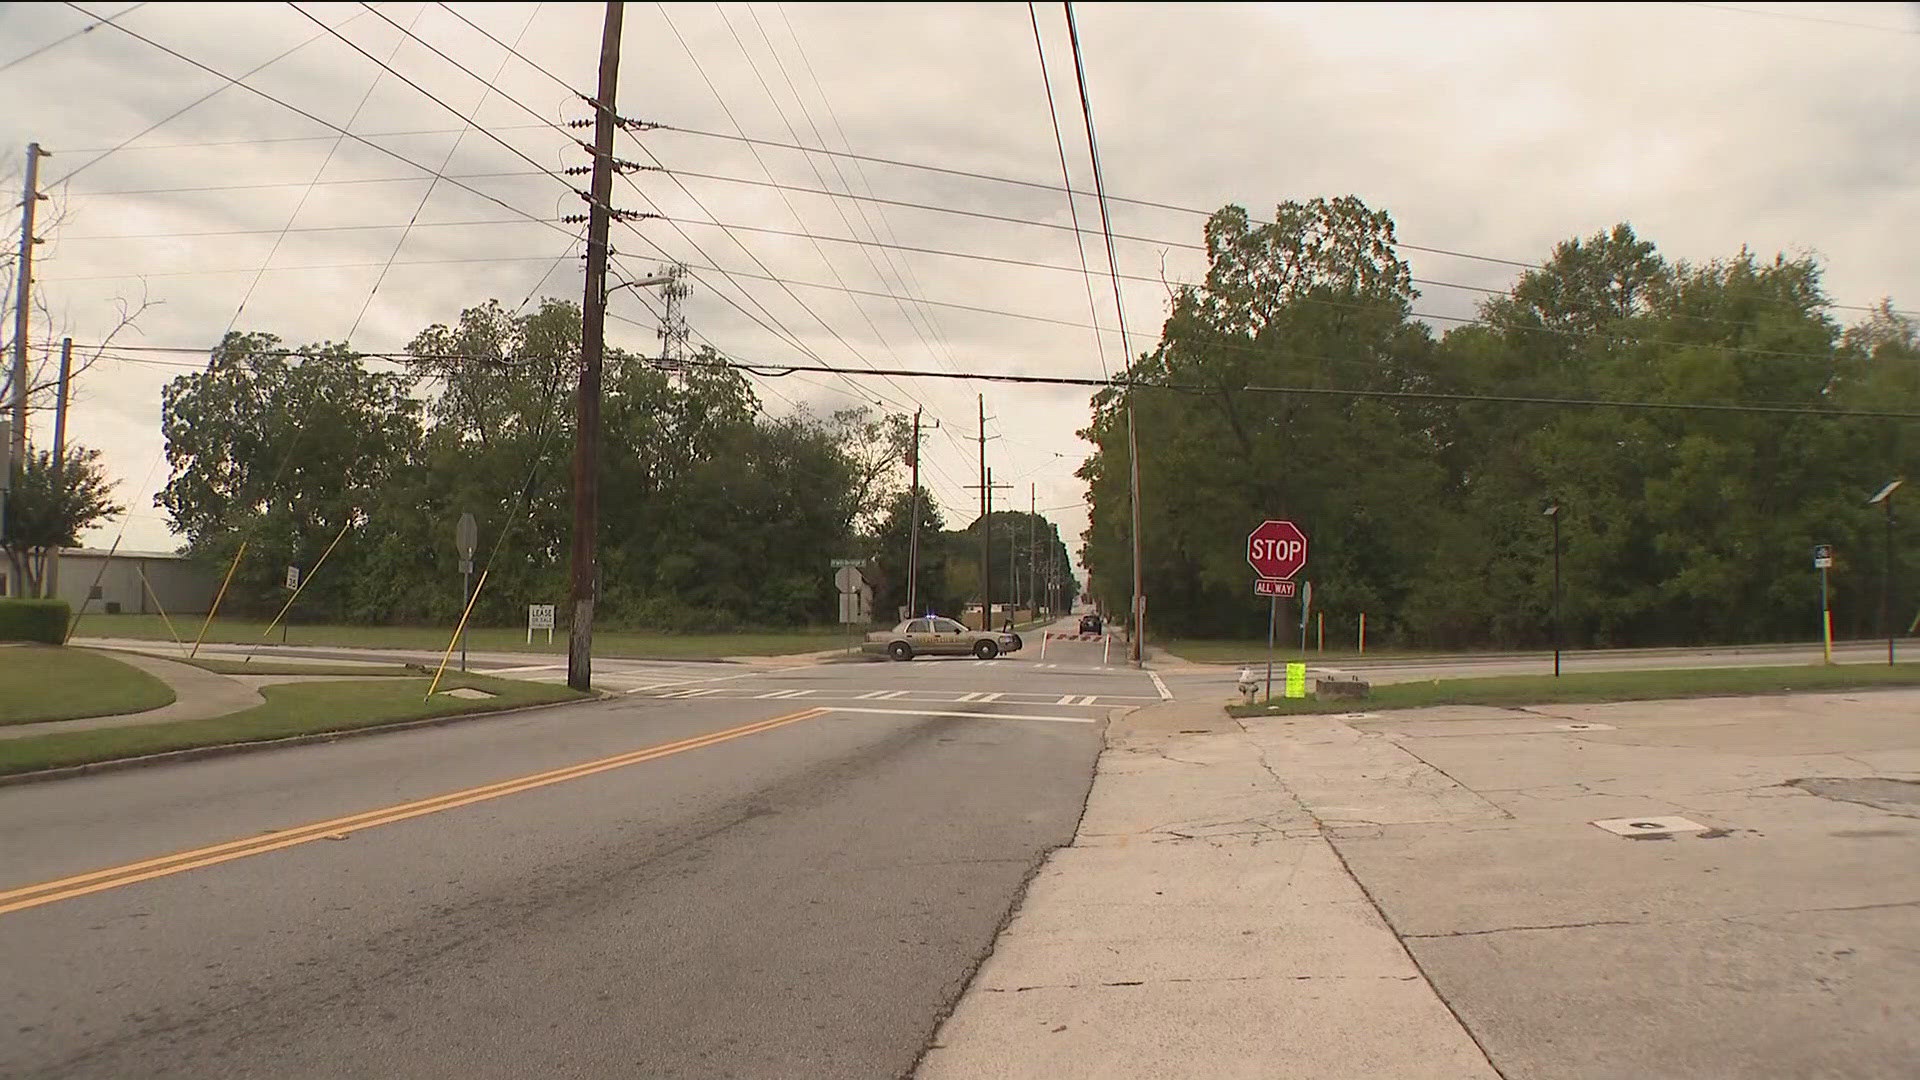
(936, 636)
(1090, 623)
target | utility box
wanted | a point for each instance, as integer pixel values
(1341, 689)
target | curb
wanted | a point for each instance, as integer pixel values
(196, 753)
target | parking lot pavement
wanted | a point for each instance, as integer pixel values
(1781, 939)
(1724, 888)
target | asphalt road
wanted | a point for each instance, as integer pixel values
(727, 871)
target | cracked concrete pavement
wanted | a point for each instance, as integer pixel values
(1423, 894)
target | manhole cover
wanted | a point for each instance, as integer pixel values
(1355, 716)
(1650, 826)
(1586, 725)
(469, 693)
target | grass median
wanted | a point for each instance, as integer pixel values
(49, 682)
(1244, 651)
(1592, 687)
(608, 643)
(290, 709)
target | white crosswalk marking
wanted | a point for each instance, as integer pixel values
(1065, 699)
(963, 715)
(870, 695)
(989, 697)
(975, 696)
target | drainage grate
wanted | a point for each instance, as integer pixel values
(1652, 828)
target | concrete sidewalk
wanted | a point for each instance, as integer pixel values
(197, 695)
(1199, 925)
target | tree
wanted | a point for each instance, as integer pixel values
(280, 449)
(1316, 299)
(1678, 525)
(889, 552)
(50, 506)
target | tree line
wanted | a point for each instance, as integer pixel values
(1421, 463)
(714, 514)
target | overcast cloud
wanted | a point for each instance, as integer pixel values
(1493, 130)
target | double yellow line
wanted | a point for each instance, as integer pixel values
(48, 892)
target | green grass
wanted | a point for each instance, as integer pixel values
(1243, 651)
(1600, 686)
(291, 709)
(49, 682)
(610, 643)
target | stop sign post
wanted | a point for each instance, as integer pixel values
(1276, 550)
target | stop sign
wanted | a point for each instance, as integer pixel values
(1277, 550)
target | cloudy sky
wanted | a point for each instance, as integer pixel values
(1489, 132)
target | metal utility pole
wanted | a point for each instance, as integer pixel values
(1554, 513)
(913, 540)
(586, 440)
(51, 584)
(23, 299)
(1885, 499)
(986, 526)
(1133, 497)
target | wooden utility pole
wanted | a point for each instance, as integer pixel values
(586, 438)
(1033, 557)
(23, 300)
(913, 541)
(50, 581)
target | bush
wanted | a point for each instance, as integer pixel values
(35, 620)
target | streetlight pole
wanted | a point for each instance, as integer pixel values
(1885, 499)
(1554, 513)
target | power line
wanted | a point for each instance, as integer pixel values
(511, 51)
(257, 92)
(444, 163)
(301, 268)
(430, 96)
(780, 369)
(1148, 203)
(1066, 183)
(900, 279)
(1127, 382)
(783, 332)
(1799, 17)
(1005, 260)
(1016, 182)
(798, 219)
(57, 42)
(305, 195)
(198, 188)
(711, 88)
(230, 81)
(298, 229)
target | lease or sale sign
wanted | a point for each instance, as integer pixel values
(1277, 550)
